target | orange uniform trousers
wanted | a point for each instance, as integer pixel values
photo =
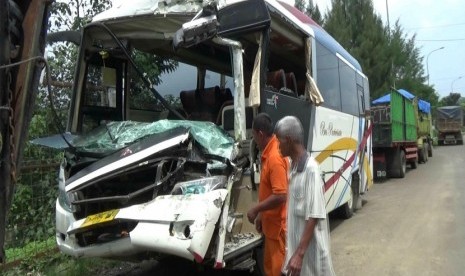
(274, 254)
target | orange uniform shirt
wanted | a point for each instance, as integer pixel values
(273, 180)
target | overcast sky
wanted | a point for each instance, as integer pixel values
(436, 24)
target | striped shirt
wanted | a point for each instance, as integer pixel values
(306, 200)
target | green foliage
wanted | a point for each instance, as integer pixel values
(311, 10)
(152, 67)
(32, 213)
(315, 14)
(358, 29)
(300, 5)
(451, 99)
(73, 15)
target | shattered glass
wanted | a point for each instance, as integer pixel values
(117, 135)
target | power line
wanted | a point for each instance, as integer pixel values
(439, 40)
(433, 27)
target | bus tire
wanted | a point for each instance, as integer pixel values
(347, 210)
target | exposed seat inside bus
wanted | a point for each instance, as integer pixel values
(276, 79)
(204, 104)
(226, 120)
(291, 82)
(284, 83)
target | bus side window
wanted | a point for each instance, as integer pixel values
(328, 77)
(349, 97)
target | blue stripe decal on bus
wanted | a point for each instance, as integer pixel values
(343, 193)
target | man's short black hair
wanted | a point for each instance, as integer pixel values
(262, 122)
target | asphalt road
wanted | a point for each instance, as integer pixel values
(410, 226)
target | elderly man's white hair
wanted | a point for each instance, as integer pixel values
(292, 127)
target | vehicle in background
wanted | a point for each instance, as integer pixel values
(401, 133)
(449, 123)
(424, 129)
(155, 162)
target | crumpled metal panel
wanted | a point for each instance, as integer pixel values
(148, 7)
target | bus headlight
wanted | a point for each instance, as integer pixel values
(200, 186)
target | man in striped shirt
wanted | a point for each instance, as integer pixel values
(308, 248)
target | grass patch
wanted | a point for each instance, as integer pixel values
(57, 264)
(42, 258)
(30, 250)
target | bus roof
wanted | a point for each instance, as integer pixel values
(322, 36)
(299, 20)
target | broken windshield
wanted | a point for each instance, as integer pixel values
(114, 136)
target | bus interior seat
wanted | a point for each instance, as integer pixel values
(227, 119)
(226, 104)
(301, 87)
(204, 104)
(291, 82)
(276, 79)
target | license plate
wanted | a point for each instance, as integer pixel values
(100, 217)
(380, 173)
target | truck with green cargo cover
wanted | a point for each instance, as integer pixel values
(449, 122)
(401, 133)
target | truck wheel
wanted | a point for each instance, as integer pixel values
(430, 149)
(403, 163)
(414, 164)
(425, 149)
(421, 155)
(399, 164)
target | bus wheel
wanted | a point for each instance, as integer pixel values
(347, 210)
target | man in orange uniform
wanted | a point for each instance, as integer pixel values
(269, 215)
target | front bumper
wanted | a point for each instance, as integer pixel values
(180, 225)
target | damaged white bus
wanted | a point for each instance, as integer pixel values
(163, 100)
